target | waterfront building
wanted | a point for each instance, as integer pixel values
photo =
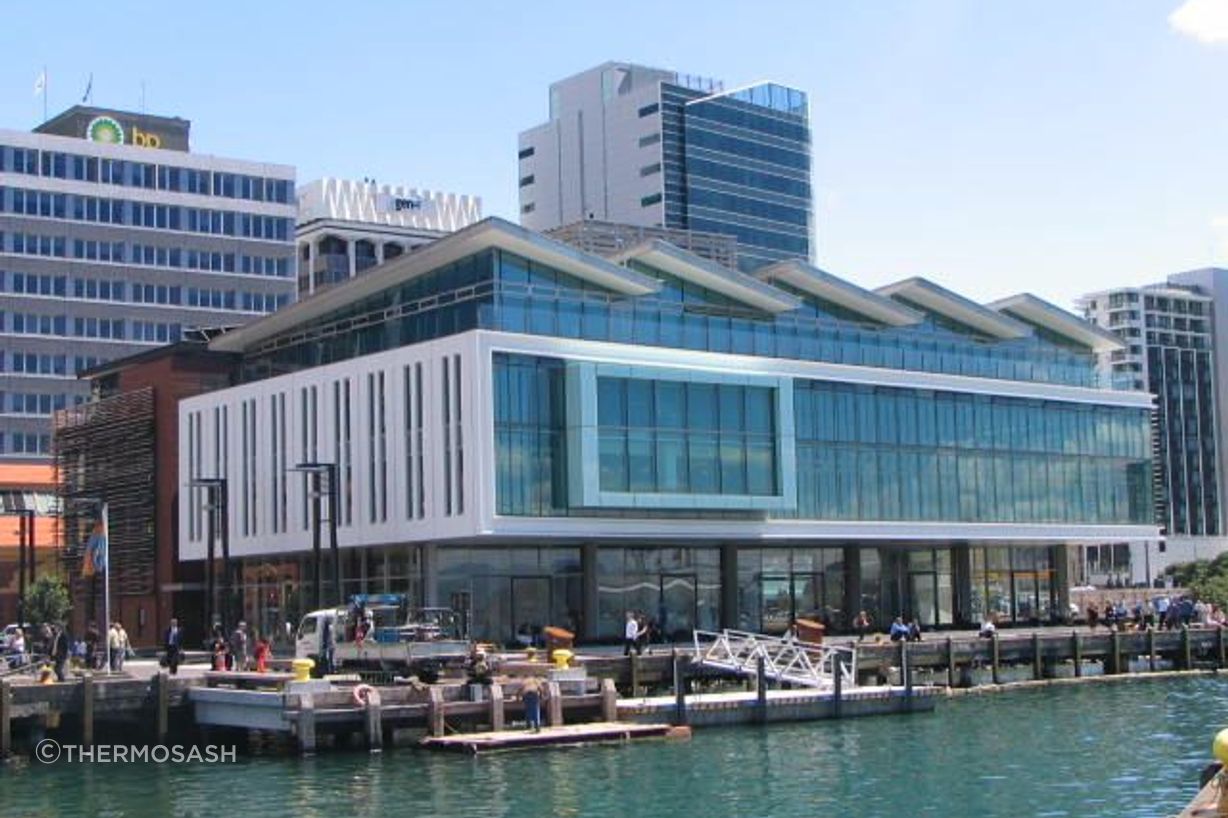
(645, 146)
(121, 446)
(346, 227)
(1172, 350)
(115, 238)
(536, 435)
(28, 508)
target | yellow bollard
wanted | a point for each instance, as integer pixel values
(302, 669)
(561, 657)
(1219, 748)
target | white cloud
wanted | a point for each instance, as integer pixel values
(1204, 20)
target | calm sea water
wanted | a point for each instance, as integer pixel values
(1131, 749)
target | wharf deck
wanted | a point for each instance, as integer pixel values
(601, 732)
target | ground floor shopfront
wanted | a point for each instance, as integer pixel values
(510, 592)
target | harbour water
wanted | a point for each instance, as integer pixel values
(1126, 749)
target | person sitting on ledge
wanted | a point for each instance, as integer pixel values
(899, 631)
(988, 627)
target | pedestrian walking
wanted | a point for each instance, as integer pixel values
(631, 635)
(174, 646)
(238, 647)
(115, 652)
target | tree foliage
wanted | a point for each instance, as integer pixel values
(47, 601)
(1206, 579)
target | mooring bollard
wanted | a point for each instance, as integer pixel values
(1115, 650)
(375, 721)
(635, 675)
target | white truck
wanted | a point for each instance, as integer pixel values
(381, 632)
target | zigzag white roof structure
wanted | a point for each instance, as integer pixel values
(393, 205)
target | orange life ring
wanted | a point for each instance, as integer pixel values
(363, 694)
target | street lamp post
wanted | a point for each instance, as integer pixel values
(216, 517)
(25, 553)
(319, 472)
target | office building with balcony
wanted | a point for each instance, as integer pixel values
(1170, 351)
(116, 238)
(536, 435)
(346, 227)
(645, 146)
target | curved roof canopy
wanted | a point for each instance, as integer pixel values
(941, 301)
(488, 233)
(671, 259)
(1038, 312)
(824, 285)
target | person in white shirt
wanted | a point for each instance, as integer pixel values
(631, 635)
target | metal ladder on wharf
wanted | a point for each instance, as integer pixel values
(804, 664)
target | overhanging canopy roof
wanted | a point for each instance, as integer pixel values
(820, 284)
(1041, 313)
(930, 296)
(736, 285)
(486, 234)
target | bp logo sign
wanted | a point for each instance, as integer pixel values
(105, 129)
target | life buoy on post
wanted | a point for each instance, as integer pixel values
(365, 694)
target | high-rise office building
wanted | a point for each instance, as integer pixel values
(115, 238)
(346, 227)
(646, 146)
(1171, 352)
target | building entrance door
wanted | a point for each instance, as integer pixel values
(530, 608)
(676, 612)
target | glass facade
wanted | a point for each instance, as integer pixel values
(676, 589)
(779, 585)
(498, 290)
(879, 453)
(739, 164)
(671, 437)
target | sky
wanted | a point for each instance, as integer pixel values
(1050, 146)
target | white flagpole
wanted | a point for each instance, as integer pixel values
(106, 583)
(44, 93)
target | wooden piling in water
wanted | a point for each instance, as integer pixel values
(995, 658)
(609, 700)
(837, 693)
(434, 712)
(1076, 650)
(496, 706)
(1187, 660)
(951, 669)
(635, 675)
(1219, 647)
(6, 719)
(679, 691)
(161, 705)
(306, 729)
(1151, 650)
(1114, 652)
(87, 709)
(1038, 669)
(374, 724)
(554, 705)
(761, 691)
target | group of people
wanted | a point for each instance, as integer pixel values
(236, 652)
(638, 632)
(1158, 612)
(54, 642)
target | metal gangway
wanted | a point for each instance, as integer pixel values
(784, 659)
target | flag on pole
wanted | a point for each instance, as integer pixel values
(96, 550)
(40, 83)
(89, 87)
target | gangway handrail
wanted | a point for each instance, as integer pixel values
(785, 659)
